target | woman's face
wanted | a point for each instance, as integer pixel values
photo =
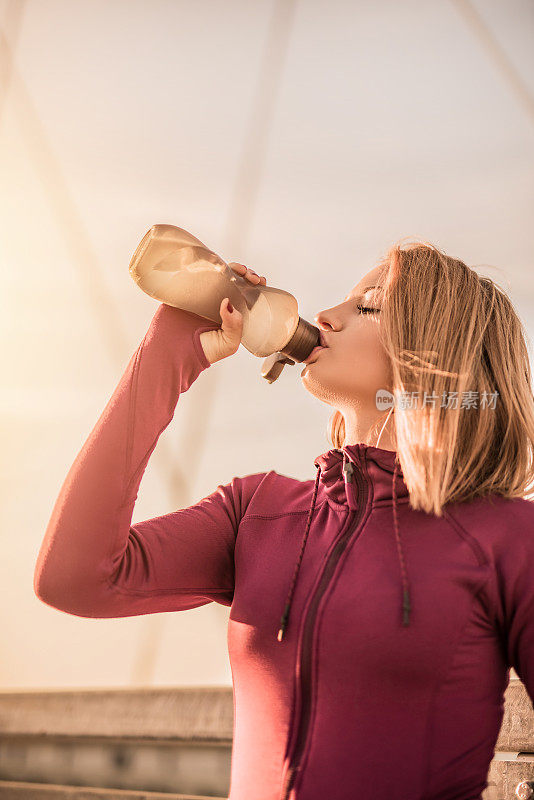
(354, 366)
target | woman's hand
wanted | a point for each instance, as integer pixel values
(225, 340)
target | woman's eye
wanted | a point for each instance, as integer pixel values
(366, 310)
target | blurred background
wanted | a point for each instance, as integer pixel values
(299, 137)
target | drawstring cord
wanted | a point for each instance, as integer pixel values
(406, 607)
(285, 615)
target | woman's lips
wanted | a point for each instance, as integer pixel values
(314, 353)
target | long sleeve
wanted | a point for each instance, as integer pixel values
(92, 561)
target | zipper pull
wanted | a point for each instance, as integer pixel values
(348, 469)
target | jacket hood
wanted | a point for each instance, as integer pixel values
(340, 473)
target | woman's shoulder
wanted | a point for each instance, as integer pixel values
(498, 523)
(273, 493)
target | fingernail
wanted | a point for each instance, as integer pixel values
(229, 306)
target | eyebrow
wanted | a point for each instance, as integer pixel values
(365, 290)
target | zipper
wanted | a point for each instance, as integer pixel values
(307, 639)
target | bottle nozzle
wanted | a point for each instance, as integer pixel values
(299, 347)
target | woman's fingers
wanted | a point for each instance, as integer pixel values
(247, 273)
(239, 268)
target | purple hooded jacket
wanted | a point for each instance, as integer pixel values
(370, 644)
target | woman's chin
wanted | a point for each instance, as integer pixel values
(307, 368)
(312, 382)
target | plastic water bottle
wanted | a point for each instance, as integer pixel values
(176, 268)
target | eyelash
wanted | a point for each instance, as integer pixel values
(365, 308)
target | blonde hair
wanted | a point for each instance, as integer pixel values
(447, 330)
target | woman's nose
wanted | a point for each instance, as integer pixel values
(322, 320)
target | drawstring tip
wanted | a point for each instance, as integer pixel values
(406, 607)
(283, 623)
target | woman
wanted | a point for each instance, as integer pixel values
(376, 611)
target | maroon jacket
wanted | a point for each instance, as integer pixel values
(386, 680)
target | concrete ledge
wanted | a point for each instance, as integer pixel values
(505, 775)
(149, 765)
(17, 790)
(517, 729)
(188, 714)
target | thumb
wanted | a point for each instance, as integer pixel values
(232, 323)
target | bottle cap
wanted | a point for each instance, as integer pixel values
(305, 338)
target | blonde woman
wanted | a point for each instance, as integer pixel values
(376, 610)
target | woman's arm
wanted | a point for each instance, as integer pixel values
(92, 561)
